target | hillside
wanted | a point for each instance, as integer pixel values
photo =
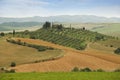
(8, 26)
(70, 37)
(72, 58)
(82, 48)
(64, 18)
(109, 29)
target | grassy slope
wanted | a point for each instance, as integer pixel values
(62, 76)
(112, 29)
(21, 54)
(109, 29)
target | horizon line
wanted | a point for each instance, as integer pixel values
(57, 15)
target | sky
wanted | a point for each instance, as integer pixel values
(29, 8)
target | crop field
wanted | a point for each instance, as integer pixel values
(88, 58)
(62, 76)
(21, 54)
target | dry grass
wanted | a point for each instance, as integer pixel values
(20, 54)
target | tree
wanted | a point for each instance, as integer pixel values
(83, 28)
(13, 64)
(47, 25)
(117, 51)
(2, 34)
(13, 33)
(26, 32)
(75, 69)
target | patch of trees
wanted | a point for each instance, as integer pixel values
(50, 36)
(117, 51)
(99, 37)
(57, 26)
(47, 25)
(38, 47)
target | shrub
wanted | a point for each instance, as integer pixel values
(86, 70)
(100, 70)
(117, 70)
(41, 49)
(13, 64)
(111, 45)
(10, 71)
(75, 69)
(117, 51)
(32, 37)
(2, 68)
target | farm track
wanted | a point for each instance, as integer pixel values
(73, 58)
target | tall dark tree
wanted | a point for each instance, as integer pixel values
(83, 28)
(13, 33)
(47, 25)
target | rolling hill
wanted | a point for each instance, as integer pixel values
(112, 29)
(83, 48)
(9, 26)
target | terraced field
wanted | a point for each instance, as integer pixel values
(73, 58)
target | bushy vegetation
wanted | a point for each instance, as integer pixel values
(13, 64)
(38, 47)
(117, 70)
(76, 69)
(117, 51)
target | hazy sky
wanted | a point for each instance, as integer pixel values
(27, 8)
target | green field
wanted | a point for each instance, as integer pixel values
(61, 76)
(109, 29)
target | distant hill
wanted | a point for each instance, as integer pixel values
(63, 18)
(112, 29)
(7, 26)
